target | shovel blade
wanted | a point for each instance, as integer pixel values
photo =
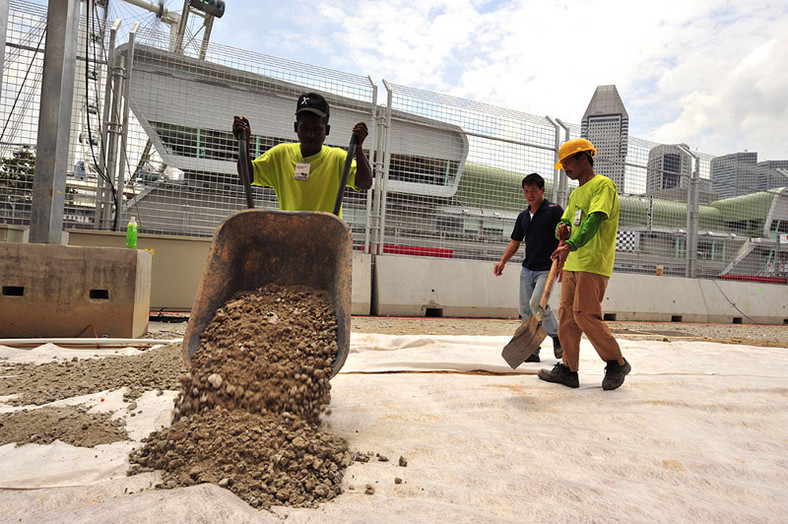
(525, 341)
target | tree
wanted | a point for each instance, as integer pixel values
(16, 175)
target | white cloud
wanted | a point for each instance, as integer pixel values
(710, 73)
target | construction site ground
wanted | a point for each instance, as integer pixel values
(440, 429)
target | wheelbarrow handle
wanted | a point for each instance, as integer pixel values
(243, 170)
(351, 151)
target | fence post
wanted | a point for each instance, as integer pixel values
(124, 137)
(692, 216)
(556, 172)
(3, 31)
(103, 186)
(386, 166)
(563, 191)
(57, 96)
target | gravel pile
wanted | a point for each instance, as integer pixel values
(248, 414)
(156, 369)
(69, 424)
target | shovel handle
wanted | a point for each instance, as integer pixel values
(351, 151)
(243, 168)
(549, 284)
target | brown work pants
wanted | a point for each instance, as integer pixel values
(581, 312)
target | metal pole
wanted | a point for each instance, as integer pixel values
(373, 153)
(113, 125)
(386, 166)
(556, 172)
(161, 12)
(206, 36)
(378, 186)
(3, 31)
(57, 97)
(102, 194)
(181, 28)
(124, 161)
(693, 214)
(563, 187)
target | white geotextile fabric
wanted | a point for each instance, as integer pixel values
(697, 433)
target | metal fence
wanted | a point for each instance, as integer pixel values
(155, 142)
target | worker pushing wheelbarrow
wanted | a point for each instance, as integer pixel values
(305, 242)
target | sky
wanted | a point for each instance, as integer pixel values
(709, 73)
(712, 74)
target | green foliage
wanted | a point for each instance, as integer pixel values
(16, 174)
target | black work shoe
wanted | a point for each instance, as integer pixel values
(561, 375)
(558, 351)
(614, 374)
(534, 357)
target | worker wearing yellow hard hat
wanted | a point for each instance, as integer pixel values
(571, 147)
(588, 228)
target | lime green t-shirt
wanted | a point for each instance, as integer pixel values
(303, 184)
(597, 195)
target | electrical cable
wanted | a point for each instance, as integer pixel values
(745, 315)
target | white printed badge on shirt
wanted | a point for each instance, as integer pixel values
(578, 216)
(302, 171)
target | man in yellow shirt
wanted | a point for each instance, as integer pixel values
(305, 176)
(589, 225)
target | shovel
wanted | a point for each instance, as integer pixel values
(530, 334)
(255, 247)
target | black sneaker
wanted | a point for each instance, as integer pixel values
(614, 374)
(561, 375)
(534, 357)
(558, 351)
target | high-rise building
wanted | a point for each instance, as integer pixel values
(769, 177)
(669, 173)
(668, 167)
(606, 124)
(735, 174)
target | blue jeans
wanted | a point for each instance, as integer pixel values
(532, 285)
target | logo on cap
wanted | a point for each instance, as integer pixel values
(313, 103)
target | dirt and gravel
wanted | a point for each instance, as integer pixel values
(70, 424)
(748, 334)
(248, 414)
(40, 384)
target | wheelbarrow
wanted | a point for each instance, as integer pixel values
(255, 247)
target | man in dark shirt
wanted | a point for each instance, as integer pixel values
(537, 226)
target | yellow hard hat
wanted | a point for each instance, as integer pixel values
(570, 147)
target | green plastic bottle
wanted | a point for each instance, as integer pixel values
(131, 234)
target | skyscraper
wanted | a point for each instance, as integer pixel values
(668, 167)
(735, 174)
(769, 177)
(606, 124)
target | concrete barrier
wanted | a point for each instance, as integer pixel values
(176, 268)
(420, 286)
(361, 284)
(412, 286)
(178, 263)
(65, 291)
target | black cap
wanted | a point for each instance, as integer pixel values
(313, 103)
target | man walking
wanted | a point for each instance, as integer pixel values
(536, 225)
(589, 226)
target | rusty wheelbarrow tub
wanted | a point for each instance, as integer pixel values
(257, 247)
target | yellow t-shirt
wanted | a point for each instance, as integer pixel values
(312, 188)
(597, 195)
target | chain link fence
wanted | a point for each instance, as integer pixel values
(155, 142)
